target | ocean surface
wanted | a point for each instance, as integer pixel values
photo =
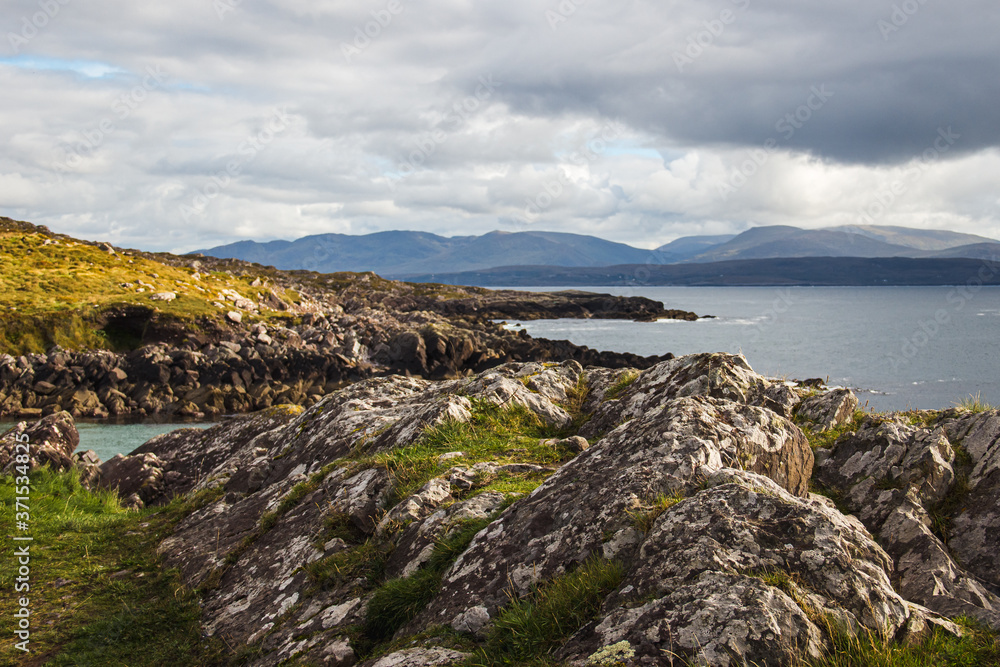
(110, 439)
(898, 347)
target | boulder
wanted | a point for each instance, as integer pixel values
(829, 409)
(50, 441)
(589, 501)
(743, 572)
(899, 479)
(137, 478)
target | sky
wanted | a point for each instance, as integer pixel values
(189, 124)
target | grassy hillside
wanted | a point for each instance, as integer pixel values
(59, 290)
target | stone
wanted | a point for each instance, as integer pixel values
(829, 409)
(163, 296)
(420, 657)
(892, 474)
(50, 441)
(234, 316)
(139, 477)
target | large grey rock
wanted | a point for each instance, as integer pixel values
(975, 530)
(50, 441)
(420, 657)
(828, 409)
(895, 476)
(717, 375)
(587, 502)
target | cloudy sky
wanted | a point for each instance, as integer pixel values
(182, 125)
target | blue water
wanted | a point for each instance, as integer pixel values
(110, 439)
(898, 347)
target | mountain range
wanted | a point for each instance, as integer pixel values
(404, 254)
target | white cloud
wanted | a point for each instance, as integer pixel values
(395, 137)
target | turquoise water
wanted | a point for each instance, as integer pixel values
(110, 439)
(898, 347)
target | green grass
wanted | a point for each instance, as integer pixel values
(978, 647)
(974, 404)
(62, 292)
(624, 381)
(644, 516)
(362, 565)
(829, 437)
(529, 629)
(511, 434)
(398, 601)
(99, 595)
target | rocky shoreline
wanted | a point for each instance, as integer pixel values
(689, 488)
(282, 337)
(197, 379)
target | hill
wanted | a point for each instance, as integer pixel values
(785, 241)
(405, 254)
(825, 271)
(396, 254)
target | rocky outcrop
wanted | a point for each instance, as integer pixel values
(50, 441)
(690, 477)
(198, 378)
(828, 409)
(929, 494)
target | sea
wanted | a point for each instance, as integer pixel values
(898, 348)
(110, 439)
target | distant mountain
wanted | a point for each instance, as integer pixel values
(776, 241)
(918, 239)
(808, 271)
(687, 247)
(401, 254)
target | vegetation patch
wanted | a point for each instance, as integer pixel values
(398, 601)
(624, 381)
(978, 646)
(974, 404)
(511, 434)
(99, 595)
(58, 291)
(828, 438)
(644, 516)
(529, 629)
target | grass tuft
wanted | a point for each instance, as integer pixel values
(974, 404)
(644, 516)
(978, 646)
(624, 381)
(528, 629)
